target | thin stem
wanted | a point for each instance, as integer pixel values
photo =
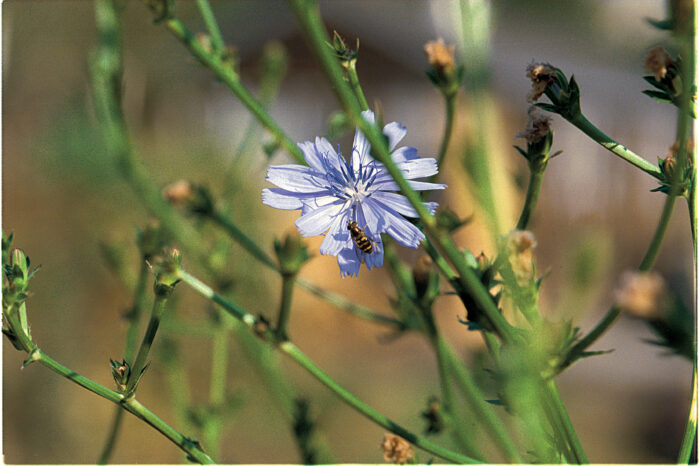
(292, 351)
(231, 80)
(565, 422)
(481, 409)
(242, 239)
(285, 306)
(533, 192)
(308, 16)
(217, 41)
(300, 358)
(131, 405)
(140, 363)
(131, 340)
(613, 146)
(450, 104)
(354, 82)
(691, 427)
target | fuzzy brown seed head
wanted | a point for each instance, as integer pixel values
(657, 62)
(641, 294)
(396, 449)
(541, 75)
(440, 56)
(537, 127)
(689, 147)
(520, 244)
(179, 192)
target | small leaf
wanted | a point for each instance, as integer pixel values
(656, 95)
(663, 24)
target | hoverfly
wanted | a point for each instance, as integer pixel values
(360, 238)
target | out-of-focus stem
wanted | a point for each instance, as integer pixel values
(533, 192)
(217, 41)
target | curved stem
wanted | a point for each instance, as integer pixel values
(285, 306)
(533, 192)
(140, 363)
(300, 358)
(354, 82)
(450, 104)
(613, 146)
(691, 427)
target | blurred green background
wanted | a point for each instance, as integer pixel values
(62, 198)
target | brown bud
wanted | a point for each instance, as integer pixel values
(396, 449)
(541, 75)
(641, 294)
(657, 62)
(537, 126)
(179, 192)
(440, 56)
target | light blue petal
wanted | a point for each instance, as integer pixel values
(360, 146)
(349, 262)
(329, 157)
(312, 157)
(403, 154)
(338, 237)
(416, 185)
(400, 204)
(395, 131)
(283, 199)
(317, 221)
(296, 178)
(403, 231)
(418, 168)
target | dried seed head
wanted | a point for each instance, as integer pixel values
(641, 294)
(689, 147)
(537, 126)
(657, 62)
(440, 56)
(396, 449)
(179, 192)
(541, 75)
(520, 244)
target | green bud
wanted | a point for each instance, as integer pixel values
(151, 239)
(121, 371)
(448, 221)
(162, 10)
(166, 268)
(291, 253)
(344, 54)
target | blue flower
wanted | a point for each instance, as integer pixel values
(332, 192)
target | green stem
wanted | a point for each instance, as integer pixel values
(691, 427)
(354, 82)
(217, 41)
(131, 405)
(140, 363)
(481, 409)
(308, 16)
(450, 104)
(231, 80)
(533, 192)
(217, 385)
(565, 422)
(131, 340)
(242, 239)
(285, 306)
(300, 358)
(613, 146)
(292, 351)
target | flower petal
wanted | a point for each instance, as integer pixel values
(403, 154)
(390, 185)
(376, 258)
(338, 237)
(332, 162)
(418, 168)
(312, 157)
(400, 204)
(403, 231)
(316, 221)
(296, 178)
(283, 199)
(395, 131)
(360, 146)
(349, 262)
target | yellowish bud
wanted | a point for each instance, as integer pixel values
(396, 449)
(657, 62)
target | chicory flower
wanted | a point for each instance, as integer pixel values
(332, 192)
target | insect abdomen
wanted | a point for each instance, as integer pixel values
(361, 240)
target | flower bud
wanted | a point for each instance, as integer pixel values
(291, 253)
(657, 62)
(432, 416)
(642, 295)
(151, 239)
(426, 278)
(166, 268)
(121, 371)
(541, 75)
(441, 57)
(520, 244)
(396, 449)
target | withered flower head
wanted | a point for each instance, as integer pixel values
(396, 449)
(537, 126)
(520, 245)
(541, 74)
(689, 147)
(641, 294)
(657, 62)
(440, 56)
(179, 192)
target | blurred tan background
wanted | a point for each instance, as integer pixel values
(62, 197)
